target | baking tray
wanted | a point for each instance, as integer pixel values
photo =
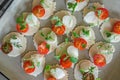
(11, 67)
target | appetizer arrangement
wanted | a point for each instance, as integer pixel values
(79, 38)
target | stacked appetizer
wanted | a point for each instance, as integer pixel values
(27, 24)
(83, 37)
(66, 54)
(95, 14)
(43, 9)
(55, 72)
(33, 63)
(45, 41)
(63, 22)
(85, 70)
(110, 30)
(101, 53)
(13, 44)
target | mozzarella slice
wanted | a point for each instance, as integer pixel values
(57, 73)
(91, 18)
(72, 51)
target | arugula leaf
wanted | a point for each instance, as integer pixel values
(75, 34)
(74, 60)
(57, 57)
(86, 32)
(47, 68)
(82, 71)
(14, 37)
(38, 64)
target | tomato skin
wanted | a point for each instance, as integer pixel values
(42, 48)
(104, 13)
(99, 60)
(38, 11)
(80, 43)
(51, 78)
(59, 30)
(79, 1)
(24, 30)
(8, 45)
(65, 63)
(27, 68)
(116, 27)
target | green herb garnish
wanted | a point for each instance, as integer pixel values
(74, 60)
(48, 46)
(47, 36)
(91, 69)
(14, 37)
(58, 21)
(38, 64)
(72, 6)
(108, 34)
(83, 45)
(66, 40)
(99, 12)
(75, 35)
(86, 32)
(57, 58)
(17, 44)
(47, 68)
(82, 71)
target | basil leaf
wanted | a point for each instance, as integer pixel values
(47, 68)
(70, 5)
(16, 44)
(58, 23)
(20, 19)
(42, 1)
(22, 26)
(83, 45)
(57, 58)
(75, 34)
(74, 60)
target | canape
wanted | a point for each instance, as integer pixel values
(101, 53)
(27, 24)
(83, 37)
(33, 63)
(45, 41)
(14, 44)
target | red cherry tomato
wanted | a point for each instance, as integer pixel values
(102, 13)
(38, 11)
(6, 48)
(43, 48)
(80, 43)
(116, 27)
(22, 28)
(51, 78)
(99, 60)
(79, 1)
(65, 61)
(28, 66)
(59, 30)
